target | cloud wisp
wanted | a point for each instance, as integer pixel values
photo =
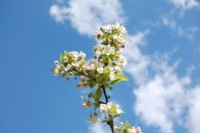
(188, 32)
(185, 4)
(162, 97)
(86, 16)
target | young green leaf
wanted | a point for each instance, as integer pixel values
(106, 73)
(98, 94)
(122, 77)
(113, 109)
(128, 124)
(116, 81)
(66, 53)
(119, 78)
(61, 57)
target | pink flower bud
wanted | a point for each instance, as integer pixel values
(84, 105)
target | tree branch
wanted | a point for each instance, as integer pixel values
(110, 121)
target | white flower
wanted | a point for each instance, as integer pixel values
(122, 61)
(65, 59)
(91, 67)
(56, 62)
(117, 69)
(138, 130)
(120, 27)
(99, 50)
(112, 76)
(82, 55)
(131, 130)
(74, 55)
(103, 108)
(123, 30)
(111, 69)
(109, 105)
(100, 70)
(116, 128)
(112, 73)
(118, 109)
(68, 67)
(56, 72)
(107, 28)
(76, 64)
(93, 119)
(117, 25)
(109, 50)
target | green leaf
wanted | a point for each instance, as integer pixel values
(91, 85)
(66, 53)
(113, 109)
(116, 81)
(98, 94)
(110, 87)
(91, 95)
(81, 64)
(121, 77)
(104, 43)
(125, 131)
(109, 61)
(106, 73)
(104, 121)
(64, 74)
(61, 57)
(116, 115)
(128, 124)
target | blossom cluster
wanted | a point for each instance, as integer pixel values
(109, 54)
(100, 73)
(127, 128)
(108, 61)
(110, 108)
(70, 62)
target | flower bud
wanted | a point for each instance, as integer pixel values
(138, 130)
(94, 57)
(56, 62)
(83, 69)
(102, 29)
(123, 46)
(78, 85)
(116, 128)
(95, 48)
(84, 105)
(109, 41)
(95, 114)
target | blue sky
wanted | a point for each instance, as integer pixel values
(163, 51)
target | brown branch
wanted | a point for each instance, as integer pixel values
(104, 92)
(110, 120)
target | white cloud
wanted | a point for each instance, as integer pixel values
(162, 97)
(185, 4)
(138, 63)
(194, 108)
(99, 128)
(154, 93)
(159, 101)
(87, 15)
(188, 32)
